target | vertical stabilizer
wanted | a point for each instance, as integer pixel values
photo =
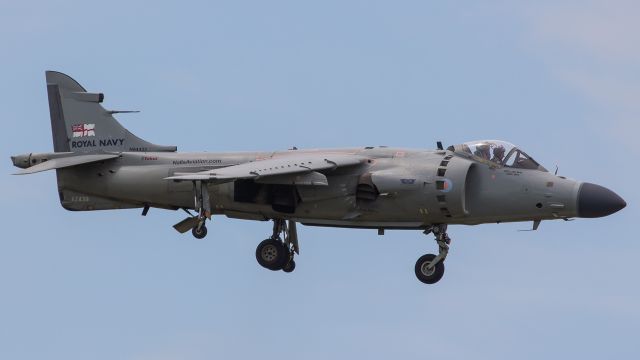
(79, 123)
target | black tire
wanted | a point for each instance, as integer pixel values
(271, 254)
(199, 233)
(289, 267)
(286, 258)
(429, 277)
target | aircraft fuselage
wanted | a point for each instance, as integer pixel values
(407, 190)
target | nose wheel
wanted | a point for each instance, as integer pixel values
(275, 253)
(429, 268)
(427, 273)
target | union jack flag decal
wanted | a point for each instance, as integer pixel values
(81, 130)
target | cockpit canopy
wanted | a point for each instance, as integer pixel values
(497, 153)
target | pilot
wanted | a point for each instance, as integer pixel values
(498, 154)
(483, 151)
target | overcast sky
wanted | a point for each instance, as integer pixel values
(561, 79)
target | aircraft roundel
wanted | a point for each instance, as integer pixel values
(448, 185)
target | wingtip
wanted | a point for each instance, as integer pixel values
(25, 172)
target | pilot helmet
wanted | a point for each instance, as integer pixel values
(499, 151)
(483, 148)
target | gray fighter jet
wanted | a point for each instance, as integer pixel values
(100, 165)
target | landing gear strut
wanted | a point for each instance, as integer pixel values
(430, 268)
(276, 252)
(195, 223)
(202, 204)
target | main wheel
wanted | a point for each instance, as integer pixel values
(199, 233)
(272, 254)
(426, 275)
(289, 267)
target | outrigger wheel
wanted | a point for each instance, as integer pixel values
(199, 232)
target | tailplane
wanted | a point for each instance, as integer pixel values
(79, 123)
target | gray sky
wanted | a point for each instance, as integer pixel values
(558, 78)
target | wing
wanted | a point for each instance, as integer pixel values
(294, 169)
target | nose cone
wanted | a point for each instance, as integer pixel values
(597, 201)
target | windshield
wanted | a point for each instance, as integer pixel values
(497, 153)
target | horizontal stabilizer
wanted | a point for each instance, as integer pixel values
(64, 162)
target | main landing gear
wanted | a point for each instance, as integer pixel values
(430, 268)
(276, 252)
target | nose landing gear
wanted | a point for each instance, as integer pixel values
(429, 268)
(276, 252)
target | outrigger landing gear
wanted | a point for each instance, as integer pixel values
(200, 231)
(202, 204)
(196, 223)
(430, 268)
(276, 252)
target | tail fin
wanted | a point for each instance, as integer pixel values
(80, 124)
